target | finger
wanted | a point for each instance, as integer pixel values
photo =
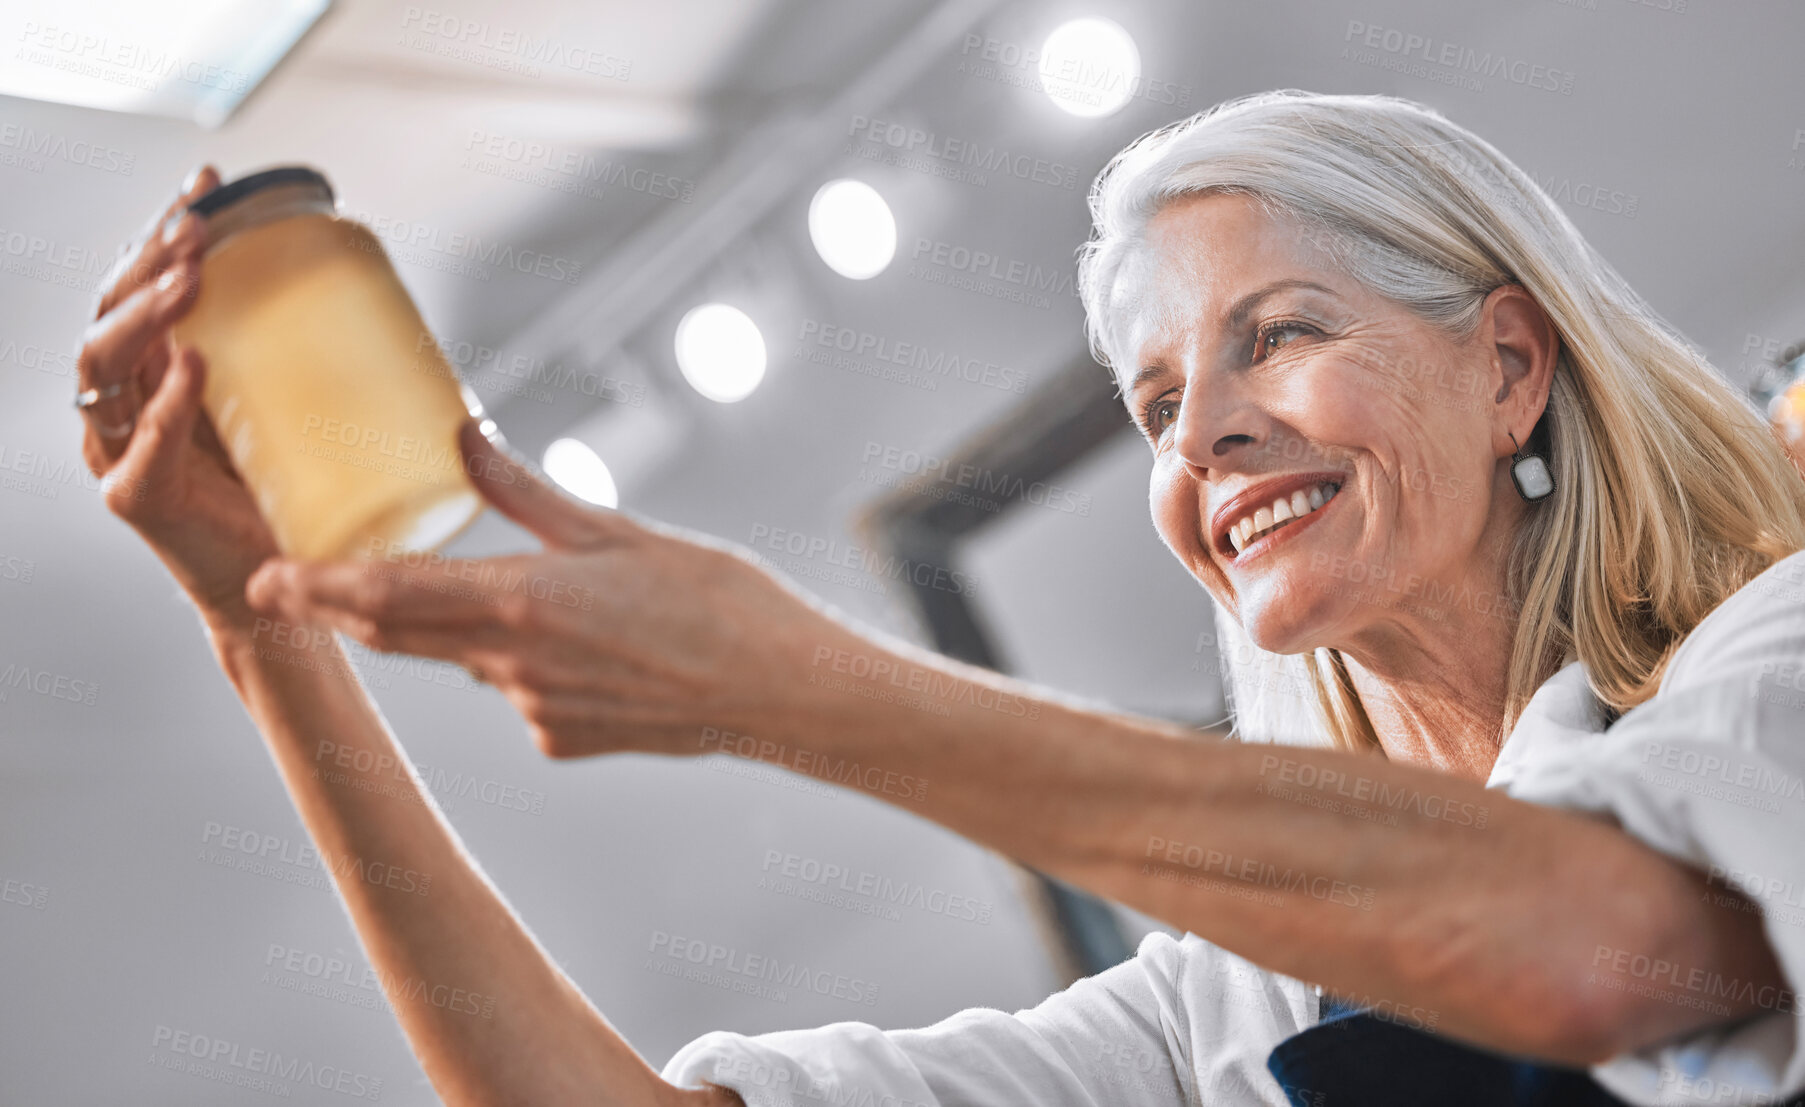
(154, 363)
(153, 455)
(395, 596)
(523, 496)
(113, 345)
(113, 350)
(461, 647)
(160, 243)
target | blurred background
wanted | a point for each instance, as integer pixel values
(715, 329)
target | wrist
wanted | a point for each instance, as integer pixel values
(214, 580)
(227, 621)
(238, 630)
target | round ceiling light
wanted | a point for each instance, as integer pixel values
(580, 471)
(720, 352)
(852, 228)
(1090, 67)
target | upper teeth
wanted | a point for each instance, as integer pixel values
(1281, 510)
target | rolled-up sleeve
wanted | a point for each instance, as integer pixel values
(1711, 771)
(1115, 1038)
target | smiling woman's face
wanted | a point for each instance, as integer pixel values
(1320, 453)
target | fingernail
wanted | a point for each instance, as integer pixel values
(182, 230)
(173, 279)
(193, 178)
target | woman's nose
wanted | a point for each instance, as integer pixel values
(1217, 432)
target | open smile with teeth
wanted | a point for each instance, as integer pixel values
(1262, 521)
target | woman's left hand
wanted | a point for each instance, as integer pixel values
(619, 635)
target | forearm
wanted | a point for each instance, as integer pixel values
(1400, 886)
(488, 1013)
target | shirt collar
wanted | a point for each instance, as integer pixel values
(1562, 710)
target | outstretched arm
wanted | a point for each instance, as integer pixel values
(1481, 914)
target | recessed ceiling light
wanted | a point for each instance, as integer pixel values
(580, 471)
(1090, 67)
(852, 228)
(720, 352)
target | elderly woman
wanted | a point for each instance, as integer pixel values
(1538, 835)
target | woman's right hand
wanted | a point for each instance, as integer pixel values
(165, 471)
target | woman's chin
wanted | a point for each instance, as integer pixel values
(1284, 628)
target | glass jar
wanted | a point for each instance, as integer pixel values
(330, 395)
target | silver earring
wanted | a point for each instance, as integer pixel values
(1530, 474)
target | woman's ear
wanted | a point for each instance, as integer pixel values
(1524, 348)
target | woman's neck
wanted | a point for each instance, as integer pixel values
(1433, 676)
(1450, 721)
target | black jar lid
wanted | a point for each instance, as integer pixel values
(226, 195)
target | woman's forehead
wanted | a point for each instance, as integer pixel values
(1212, 224)
(1199, 256)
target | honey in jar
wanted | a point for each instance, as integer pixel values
(324, 384)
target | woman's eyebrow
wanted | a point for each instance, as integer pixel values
(1245, 307)
(1147, 373)
(1235, 320)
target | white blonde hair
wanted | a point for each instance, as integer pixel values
(1670, 491)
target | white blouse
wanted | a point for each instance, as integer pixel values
(1711, 771)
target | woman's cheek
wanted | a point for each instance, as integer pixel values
(1171, 501)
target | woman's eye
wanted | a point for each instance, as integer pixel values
(1161, 414)
(1277, 337)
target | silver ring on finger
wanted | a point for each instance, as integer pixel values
(88, 397)
(125, 392)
